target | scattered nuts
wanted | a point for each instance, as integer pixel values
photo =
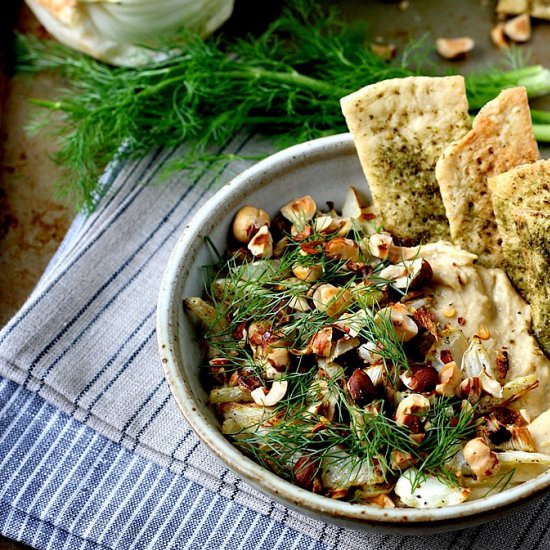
(341, 248)
(421, 379)
(385, 51)
(300, 211)
(275, 394)
(498, 37)
(410, 410)
(470, 389)
(449, 380)
(308, 273)
(501, 365)
(321, 342)
(261, 244)
(304, 471)
(379, 245)
(518, 28)
(454, 48)
(402, 460)
(408, 274)
(247, 221)
(361, 388)
(331, 299)
(352, 204)
(482, 461)
(402, 322)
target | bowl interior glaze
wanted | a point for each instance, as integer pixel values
(323, 168)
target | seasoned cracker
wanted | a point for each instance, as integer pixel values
(500, 139)
(541, 9)
(513, 7)
(533, 230)
(526, 186)
(400, 128)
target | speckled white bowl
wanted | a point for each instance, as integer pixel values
(323, 168)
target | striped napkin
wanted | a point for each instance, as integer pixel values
(93, 451)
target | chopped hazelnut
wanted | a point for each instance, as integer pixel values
(410, 408)
(300, 211)
(271, 398)
(247, 221)
(518, 28)
(498, 37)
(449, 380)
(454, 48)
(482, 461)
(261, 244)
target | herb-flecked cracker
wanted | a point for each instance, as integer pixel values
(400, 128)
(533, 229)
(526, 186)
(500, 139)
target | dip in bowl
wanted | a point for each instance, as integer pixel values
(324, 169)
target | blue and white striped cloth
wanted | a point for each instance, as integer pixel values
(93, 451)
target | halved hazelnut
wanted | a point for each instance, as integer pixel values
(247, 221)
(403, 324)
(470, 389)
(261, 244)
(331, 299)
(321, 342)
(273, 396)
(421, 379)
(454, 48)
(482, 461)
(341, 248)
(498, 37)
(308, 273)
(361, 388)
(408, 274)
(518, 28)
(379, 245)
(449, 380)
(411, 409)
(300, 211)
(352, 204)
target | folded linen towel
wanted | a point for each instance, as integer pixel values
(93, 451)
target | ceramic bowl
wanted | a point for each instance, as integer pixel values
(323, 168)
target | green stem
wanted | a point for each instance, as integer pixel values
(293, 79)
(542, 132)
(540, 116)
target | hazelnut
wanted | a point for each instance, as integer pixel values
(454, 48)
(482, 461)
(352, 204)
(408, 274)
(247, 221)
(470, 389)
(360, 387)
(300, 211)
(261, 244)
(518, 28)
(308, 273)
(421, 379)
(321, 342)
(410, 410)
(498, 37)
(304, 471)
(341, 248)
(449, 380)
(403, 324)
(331, 299)
(273, 396)
(379, 245)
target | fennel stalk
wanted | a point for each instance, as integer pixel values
(287, 82)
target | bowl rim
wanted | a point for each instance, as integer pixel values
(258, 476)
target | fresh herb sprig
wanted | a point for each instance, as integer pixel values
(287, 82)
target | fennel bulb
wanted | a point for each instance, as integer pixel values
(126, 32)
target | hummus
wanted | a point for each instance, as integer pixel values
(471, 297)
